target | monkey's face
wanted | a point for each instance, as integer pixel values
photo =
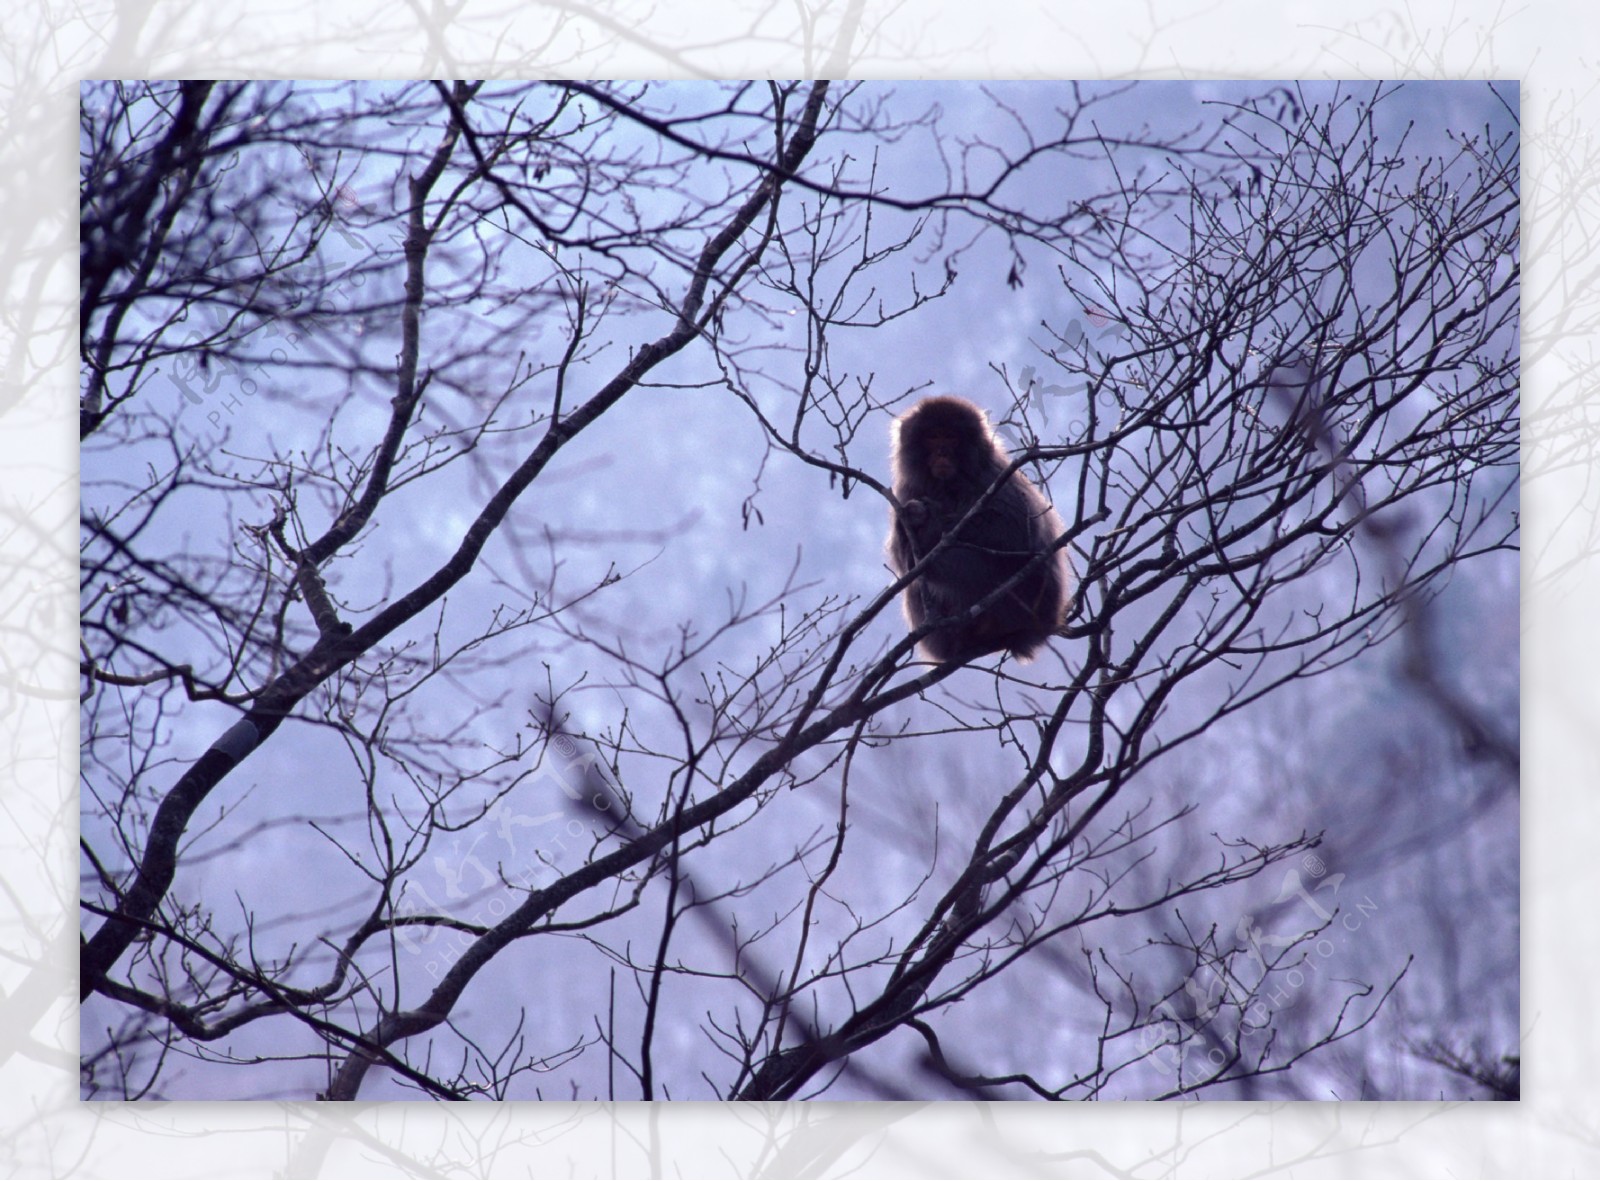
(941, 456)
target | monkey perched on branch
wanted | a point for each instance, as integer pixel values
(945, 459)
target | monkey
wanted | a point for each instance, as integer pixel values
(945, 458)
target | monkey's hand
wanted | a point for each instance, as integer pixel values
(914, 514)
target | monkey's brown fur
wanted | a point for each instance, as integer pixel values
(945, 459)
